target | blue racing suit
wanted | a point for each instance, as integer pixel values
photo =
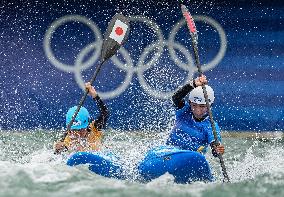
(188, 133)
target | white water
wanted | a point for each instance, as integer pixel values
(255, 167)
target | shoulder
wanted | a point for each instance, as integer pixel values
(95, 135)
(94, 131)
(207, 123)
(208, 127)
(185, 109)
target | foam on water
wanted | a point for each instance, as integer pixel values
(255, 167)
(255, 162)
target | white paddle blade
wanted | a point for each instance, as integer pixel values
(116, 34)
(119, 31)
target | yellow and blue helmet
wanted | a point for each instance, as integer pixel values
(82, 119)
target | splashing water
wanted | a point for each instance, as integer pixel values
(29, 167)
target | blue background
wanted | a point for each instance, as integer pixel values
(248, 82)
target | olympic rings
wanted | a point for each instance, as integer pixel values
(157, 48)
(48, 35)
(121, 88)
(213, 23)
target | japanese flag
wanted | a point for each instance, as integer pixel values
(118, 31)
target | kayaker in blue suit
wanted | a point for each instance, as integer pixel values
(85, 134)
(192, 129)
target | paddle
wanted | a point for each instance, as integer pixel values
(193, 33)
(116, 34)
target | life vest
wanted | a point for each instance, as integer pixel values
(92, 142)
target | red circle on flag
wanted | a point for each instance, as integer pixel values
(119, 31)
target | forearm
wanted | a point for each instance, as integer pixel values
(179, 95)
(104, 113)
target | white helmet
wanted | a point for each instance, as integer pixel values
(197, 96)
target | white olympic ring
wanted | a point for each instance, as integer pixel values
(51, 30)
(157, 47)
(222, 36)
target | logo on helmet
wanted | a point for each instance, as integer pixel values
(77, 123)
(197, 95)
(197, 100)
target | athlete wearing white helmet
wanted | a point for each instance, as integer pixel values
(192, 129)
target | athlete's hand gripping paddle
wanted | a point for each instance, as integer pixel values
(193, 33)
(116, 35)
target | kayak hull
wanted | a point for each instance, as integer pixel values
(106, 165)
(185, 166)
